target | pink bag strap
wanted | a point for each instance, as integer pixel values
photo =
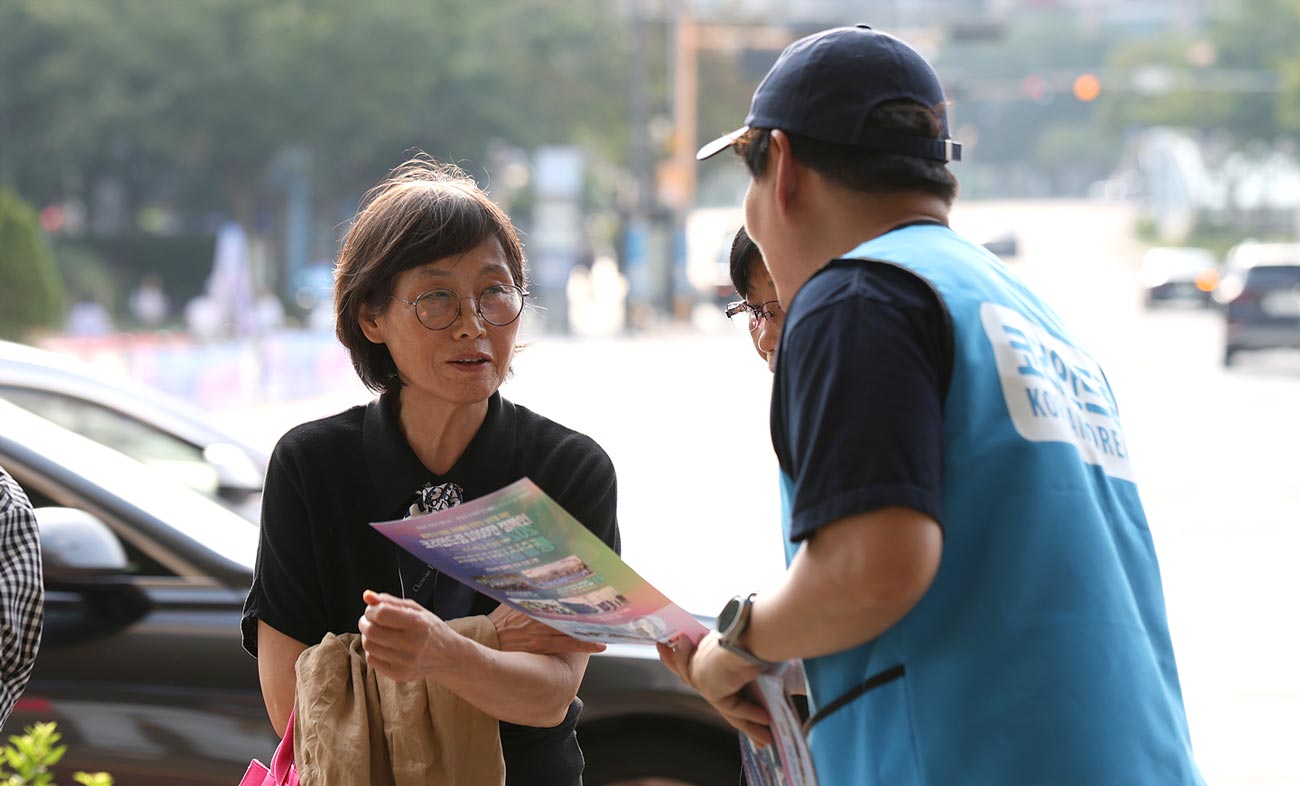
(282, 761)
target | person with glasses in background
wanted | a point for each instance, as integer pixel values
(759, 304)
(429, 290)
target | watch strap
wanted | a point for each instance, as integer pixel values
(744, 654)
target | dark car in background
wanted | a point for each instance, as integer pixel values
(156, 429)
(1262, 308)
(141, 665)
(1174, 274)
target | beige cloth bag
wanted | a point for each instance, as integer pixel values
(356, 728)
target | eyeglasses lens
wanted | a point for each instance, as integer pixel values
(498, 305)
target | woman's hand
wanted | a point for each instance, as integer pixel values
(517, 632)
(403, 640)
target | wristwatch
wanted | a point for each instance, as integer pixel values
(732, 622)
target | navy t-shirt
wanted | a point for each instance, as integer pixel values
(857, 402)
(328, 479)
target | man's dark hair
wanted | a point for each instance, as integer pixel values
(744, 255)
(862, 169)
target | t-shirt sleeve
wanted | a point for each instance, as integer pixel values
(861, 388)
(580, 476)
(286, 592)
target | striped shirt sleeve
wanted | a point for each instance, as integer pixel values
(22, 592)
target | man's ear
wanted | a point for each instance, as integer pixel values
(369, 323)
(785, 169)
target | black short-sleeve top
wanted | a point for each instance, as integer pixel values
(328, 479)
(857, 400)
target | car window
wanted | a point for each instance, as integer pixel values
(1273, 277)
(178, 459)
(138, 563)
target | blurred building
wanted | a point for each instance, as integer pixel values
(958, 17)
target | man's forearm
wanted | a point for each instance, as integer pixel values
(853, 580)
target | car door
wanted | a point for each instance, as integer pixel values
(140, 663)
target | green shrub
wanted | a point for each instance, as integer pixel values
(27, 759)
(31, 295)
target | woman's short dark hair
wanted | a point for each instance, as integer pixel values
(859, 169)
(423, 211)
(744, 255)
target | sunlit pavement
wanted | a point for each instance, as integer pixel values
(684, 416)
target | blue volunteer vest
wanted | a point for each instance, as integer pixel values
(1041, 654)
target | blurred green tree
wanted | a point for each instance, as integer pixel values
(31, 296)
(1217, 79)
(194, 101)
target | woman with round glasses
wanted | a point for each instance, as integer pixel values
(429, 288)
(759, 304)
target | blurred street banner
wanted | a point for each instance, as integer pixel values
(230, 286)
(555, 244)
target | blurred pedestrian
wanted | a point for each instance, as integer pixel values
(972, 586)
(22, 592)
(429, 293)
(269, 313)
(149, 302)
(88, 318)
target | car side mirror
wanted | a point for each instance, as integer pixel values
(76, 544)
(88, 590)
(237, 475)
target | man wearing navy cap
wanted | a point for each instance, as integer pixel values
(972, 586)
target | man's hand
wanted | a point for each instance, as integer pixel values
(517, 632)
(403, 640)
(723, 679)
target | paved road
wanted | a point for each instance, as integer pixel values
(684, 416)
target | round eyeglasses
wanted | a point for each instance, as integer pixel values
(770, 309)
(438, 309)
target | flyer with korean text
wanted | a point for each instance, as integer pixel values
(519, 546)
(787, 761)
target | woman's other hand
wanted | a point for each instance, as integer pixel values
(517, 632)
(405, 641)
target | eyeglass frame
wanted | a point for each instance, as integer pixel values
(756, 313)
(460, 311)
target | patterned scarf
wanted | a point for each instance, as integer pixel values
(433, 498)
(430, 499)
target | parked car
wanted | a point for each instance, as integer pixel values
(1178, 274)
(156, 429)
(1002, 243)
(1263, 308)
(141, 664)
(987, 229)
(1249, 253)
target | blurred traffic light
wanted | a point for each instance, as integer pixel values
(1036, 88)
(1087, 87)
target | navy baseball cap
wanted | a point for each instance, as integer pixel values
(824, 86)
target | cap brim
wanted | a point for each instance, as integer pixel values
(721, 143)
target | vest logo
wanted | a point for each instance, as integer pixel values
(1055, 392)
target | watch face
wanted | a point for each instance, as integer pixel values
(727, 617)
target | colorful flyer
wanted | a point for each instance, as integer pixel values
(519, 546)
(787, 761)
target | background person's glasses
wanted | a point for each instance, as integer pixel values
(438, 309)
(770, 309)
